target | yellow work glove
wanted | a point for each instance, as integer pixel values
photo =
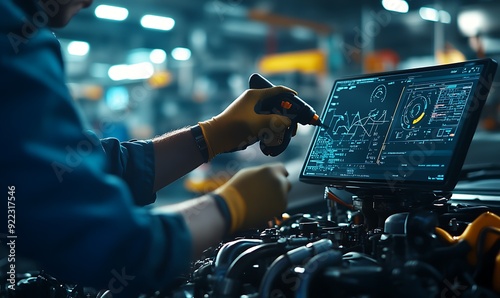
(239, 126)
(255, 195)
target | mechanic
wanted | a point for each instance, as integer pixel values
(79, 200)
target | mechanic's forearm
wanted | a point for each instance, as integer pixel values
(176, 154)
(204, 221)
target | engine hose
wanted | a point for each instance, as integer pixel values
(230, 285)
(355, 281)
(278, 266)
(229, 251)
(251, 255)
(293, 257)
(315, 265)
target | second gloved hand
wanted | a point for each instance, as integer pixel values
(239, 125)
(255, 195)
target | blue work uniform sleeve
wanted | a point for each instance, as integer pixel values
(134, 162)
(73, 215)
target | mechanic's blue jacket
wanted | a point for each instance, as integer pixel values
(78, 200)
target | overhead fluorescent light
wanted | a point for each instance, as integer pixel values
(444, 17)
(429, 14)
(434, 15)
(109, 12)
(181, 54)
(139, 71)
(471, 22)
(400, 6)
(158, 56)
(118, 72)
(157, 22)
(78, 48)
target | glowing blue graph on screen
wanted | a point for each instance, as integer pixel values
(356, 135)
(356, 125)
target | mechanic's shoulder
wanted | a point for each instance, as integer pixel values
(23, 29)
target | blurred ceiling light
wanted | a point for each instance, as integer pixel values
(444, 17)
(471, 22)
(118, 72)
(137, 71)
(434, 15)
(429, 14)
(157, 22)
(158, 56)
(400, 6)
(78, 48)
(117, 98)
(181, 54)
(109, 12)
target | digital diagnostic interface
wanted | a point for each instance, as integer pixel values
(400, 126)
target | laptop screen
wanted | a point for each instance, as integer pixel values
(402, 129)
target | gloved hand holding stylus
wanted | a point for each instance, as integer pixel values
(239, 125)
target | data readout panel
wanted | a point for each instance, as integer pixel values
(392, 127)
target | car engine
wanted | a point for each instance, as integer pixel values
(367, 247)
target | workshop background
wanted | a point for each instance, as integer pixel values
(142, 68)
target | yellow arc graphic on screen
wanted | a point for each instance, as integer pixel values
(419, 118)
